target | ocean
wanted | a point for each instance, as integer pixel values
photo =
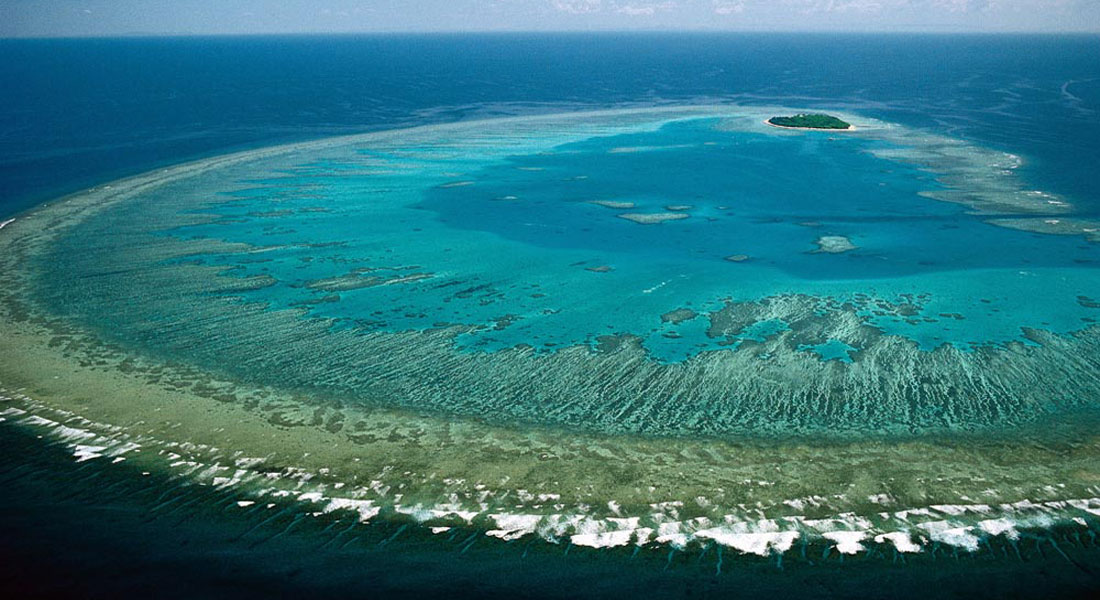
(554, 315)
(80, 112)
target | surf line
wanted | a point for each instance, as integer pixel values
(6, 223)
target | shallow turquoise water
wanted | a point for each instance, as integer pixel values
(508, 270)
(509, 240)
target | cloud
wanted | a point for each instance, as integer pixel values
(728, 7)
(965, 6)
(644, 9)
(929, 7)
(578, 7)
(841, 6)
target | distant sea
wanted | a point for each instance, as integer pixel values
(77, 112)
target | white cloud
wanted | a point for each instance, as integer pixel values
(930, 7)
(840, 6)
(644, 9)
(728, 7)
(578, 7)
(966, 6)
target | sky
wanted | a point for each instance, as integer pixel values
(48, 18)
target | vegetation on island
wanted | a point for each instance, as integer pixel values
(810, 122)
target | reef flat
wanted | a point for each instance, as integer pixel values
(397, 355)
(652, 218)
(834, 244)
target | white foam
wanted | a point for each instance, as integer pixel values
(999, 526)
(1085, 506)
(598, 534)
(6, 223)
(847, 542)
(248, 463)
(946, 533)
(418, 512)
(959, 509)
(669, 533)
(513, 527)
(759, 543)
(123, 449)
(642, 535)
(555, 527)
(950, 524)
(366, 509)
(900, 540)
(841, 522)
(905, 514)
(603, 539)
(83, 453)
(423, 513)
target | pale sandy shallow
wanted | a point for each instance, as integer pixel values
(834, 244)
(612, 204)
(652, 218)
(755, 498)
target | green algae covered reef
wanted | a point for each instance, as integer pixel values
(123, 339)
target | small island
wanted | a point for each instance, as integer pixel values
(809, 122)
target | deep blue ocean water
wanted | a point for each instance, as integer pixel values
(80, 112)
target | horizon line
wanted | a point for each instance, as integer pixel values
(459, 32)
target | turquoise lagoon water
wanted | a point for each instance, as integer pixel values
(455, 263)
(516, 244)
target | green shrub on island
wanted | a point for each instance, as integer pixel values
(810, 121)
